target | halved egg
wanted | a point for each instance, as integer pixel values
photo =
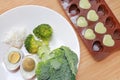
(28, 66)
(13, 58)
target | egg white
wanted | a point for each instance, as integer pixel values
(31, 74)
(10, 66)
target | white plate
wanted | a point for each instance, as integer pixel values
(31, 16)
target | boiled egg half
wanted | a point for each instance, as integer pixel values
(13, 58)
(28, 66)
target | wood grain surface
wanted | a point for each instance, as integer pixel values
(89, 69)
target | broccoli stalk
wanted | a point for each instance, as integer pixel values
(43, 32)
(44, 53)
(31, 44)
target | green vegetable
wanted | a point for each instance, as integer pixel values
(72, 60)
(55, 64)
(43, 52)
(61, 66)
(44, 32)
(44, 49)
(43, 70)
(31, 44)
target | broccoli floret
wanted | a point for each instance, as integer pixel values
(44, 32)
(31, 44)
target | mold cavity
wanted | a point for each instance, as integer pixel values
(109, 22)
(116, 34)
(102, 10)
(97, 47)
(94, 1)
(73, 10)
(66, 1)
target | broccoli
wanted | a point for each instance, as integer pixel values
(44, 49)
(44, 52)
(31, 44)
(43, 32)
(62, 66)
(72, 59)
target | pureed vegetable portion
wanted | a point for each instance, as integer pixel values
(62, 66)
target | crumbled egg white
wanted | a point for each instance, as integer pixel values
(15, 37)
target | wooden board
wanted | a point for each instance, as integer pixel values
(89, 69)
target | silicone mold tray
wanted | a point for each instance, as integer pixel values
(95, 24)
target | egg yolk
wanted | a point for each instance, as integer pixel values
(14, 57)
(28, 64)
